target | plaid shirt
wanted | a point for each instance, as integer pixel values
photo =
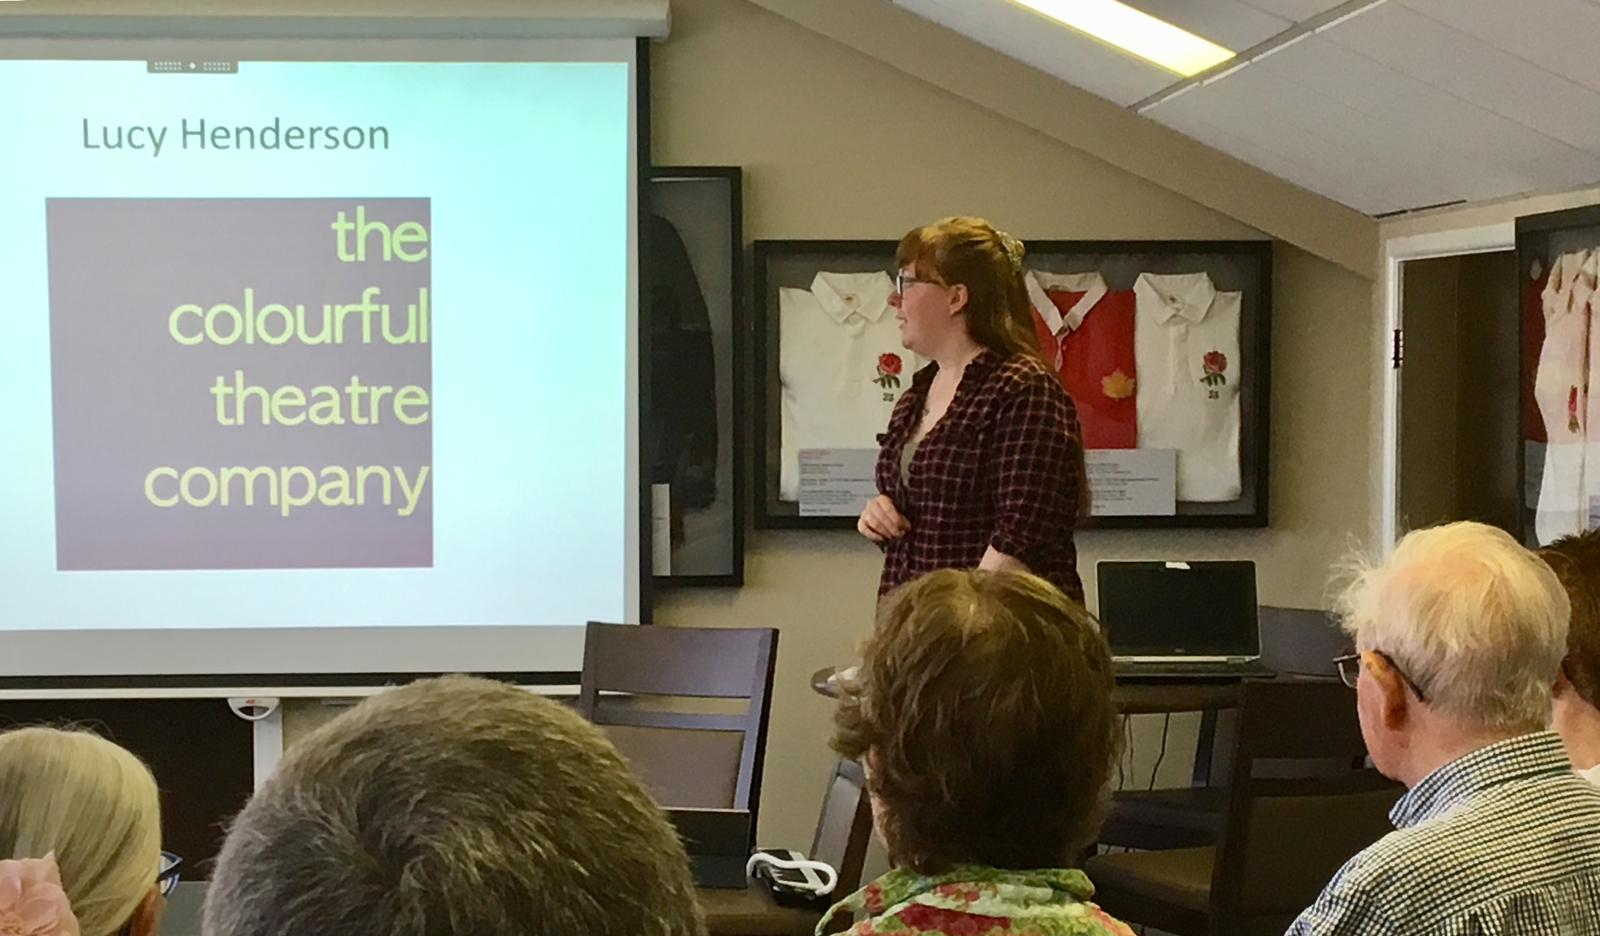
(1000, 469)
(1505, 840)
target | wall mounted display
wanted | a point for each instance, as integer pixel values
(1163, 346)
(692, 243)
(1557, 259)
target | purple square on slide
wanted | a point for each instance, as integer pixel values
(158, 466)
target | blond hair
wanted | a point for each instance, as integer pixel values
(1477, 621)
(93, 804)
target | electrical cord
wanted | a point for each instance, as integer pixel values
(822, 889)
(1166, 725)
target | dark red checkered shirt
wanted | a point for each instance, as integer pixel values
(1000, 469)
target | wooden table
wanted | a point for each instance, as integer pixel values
(753, 912)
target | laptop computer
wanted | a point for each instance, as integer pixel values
(1181, 620)
(718, 841)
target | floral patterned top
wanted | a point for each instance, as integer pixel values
(969, 900)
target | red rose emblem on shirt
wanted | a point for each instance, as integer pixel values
(1215, 364)
(1573, 424)
(889, 366)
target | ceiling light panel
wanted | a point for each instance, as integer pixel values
(1133, 31)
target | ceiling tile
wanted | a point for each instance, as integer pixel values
(1425, 129)
(1562, 36)
(1296, 10)
(1311, 139)
(1412, 103)
(1343, 188)
(1473, 70)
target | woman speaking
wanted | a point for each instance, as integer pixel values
(982, 463)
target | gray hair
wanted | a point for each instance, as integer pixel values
(453, 805)
(1476, 620)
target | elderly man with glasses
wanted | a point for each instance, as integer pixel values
(1459, 637)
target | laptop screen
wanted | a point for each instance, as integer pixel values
(1179, 609)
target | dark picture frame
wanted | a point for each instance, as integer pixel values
(1541, 240)
(691, 228)
(1244, 267)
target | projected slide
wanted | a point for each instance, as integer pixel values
(285, 425)
(315, 346)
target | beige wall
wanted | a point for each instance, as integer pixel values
(836, 144)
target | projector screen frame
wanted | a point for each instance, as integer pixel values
(259, 685)
(319, 40)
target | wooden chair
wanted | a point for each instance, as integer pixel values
(1301, 642)
(637, 681)
(844, 829)
(1294, 641)
(1299, 806)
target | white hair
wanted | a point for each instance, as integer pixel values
(95, 806)
(1475, 620)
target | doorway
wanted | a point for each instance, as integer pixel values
(1457, 376)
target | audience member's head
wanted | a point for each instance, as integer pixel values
(983, 713)
(1576, 561)
(452, 805)
(82, 814)
(1460, 634)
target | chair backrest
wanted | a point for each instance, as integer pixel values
(1301, 803)
(635, 681)
(845, 827)
(1301, 642)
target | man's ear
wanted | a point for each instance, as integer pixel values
(1393, 703)
(1563, 684)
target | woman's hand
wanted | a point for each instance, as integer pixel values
(881, 521)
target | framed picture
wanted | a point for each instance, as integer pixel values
(1163, 345)
(1557, 258)
(692, 241)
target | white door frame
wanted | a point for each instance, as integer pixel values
(1490, 238)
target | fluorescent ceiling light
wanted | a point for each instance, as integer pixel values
(1136, 32)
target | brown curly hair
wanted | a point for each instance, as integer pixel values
(971, 253)
(983, 709)
(1576, 561)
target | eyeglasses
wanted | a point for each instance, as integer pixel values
(167, 874)
(1350, 671)
(902, 281)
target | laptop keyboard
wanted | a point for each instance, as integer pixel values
(1181, 670)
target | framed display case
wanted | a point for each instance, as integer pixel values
(1163, 345)
(692, 241)
(1557, 258)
